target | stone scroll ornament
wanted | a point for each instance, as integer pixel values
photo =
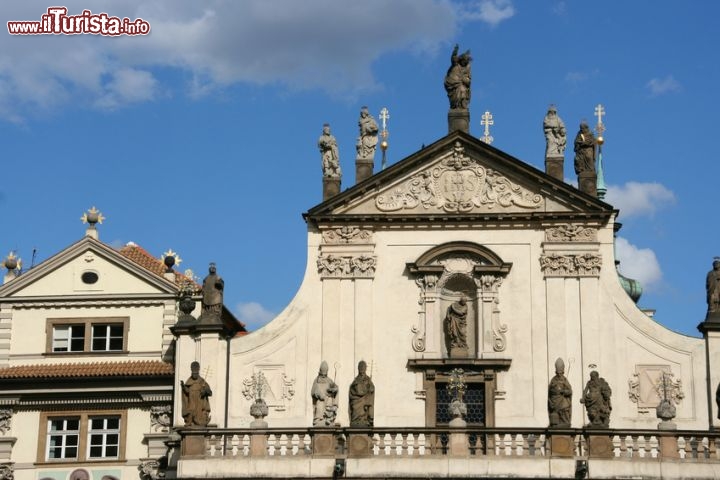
(458, 185)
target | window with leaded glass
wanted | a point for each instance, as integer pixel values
(474, 399)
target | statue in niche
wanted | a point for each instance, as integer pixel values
(712, 284)
(195, 404)
(584, 150)
(559, 398)
(555, 134)
(329, 153)
(596, 398)
(324, 392)
(457, 80)
(368, 139)
(456, 327)
(362, 398)
(212, 294)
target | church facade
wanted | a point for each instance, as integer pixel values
(460, 316)
(462, 279)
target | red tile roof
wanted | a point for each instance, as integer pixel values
(84, 370)
(140, 256)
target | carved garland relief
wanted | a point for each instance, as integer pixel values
(346, 235)
(571, 233)
(580, 265)
(458, 185)
(346, 266)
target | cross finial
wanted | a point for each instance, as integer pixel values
(384, 116)
(487, 120)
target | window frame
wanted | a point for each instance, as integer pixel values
(88, 323)
(84, 433)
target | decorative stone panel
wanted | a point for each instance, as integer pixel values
(571, 265)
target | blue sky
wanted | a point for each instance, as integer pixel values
(201, 136)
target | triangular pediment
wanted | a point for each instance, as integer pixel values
(66, 274)
(460, 175)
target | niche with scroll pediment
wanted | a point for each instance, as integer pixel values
(459, 315)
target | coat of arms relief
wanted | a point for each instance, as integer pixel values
(458, 184)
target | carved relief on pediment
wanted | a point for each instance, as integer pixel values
(458, 184)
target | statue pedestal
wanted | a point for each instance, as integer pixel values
(562, 446)
(193, 445)
(669, 447)
(324, 445)
(459, 119)
(587, 182)
(600, 446)
(359, 445)
(555, 167)
(331, 187)
(258, 445)
(456, 352)
(363, 169)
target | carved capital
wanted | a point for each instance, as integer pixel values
(571, 233)
(346, 266)
(580, 265)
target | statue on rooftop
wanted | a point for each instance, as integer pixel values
(559, 398)
(584, 150)
(362, 398)
(555, 134)
(212, 294)
(324, 392)
(456, 326)
(457, 79)
(368, 139)
(712, 284)
(195, 404)
(329, 153)
(596, 398)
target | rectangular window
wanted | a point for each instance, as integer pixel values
(87, 334)
(82, 437)
(107, 337)
(69, 338)
(104, 437)
(63, 438)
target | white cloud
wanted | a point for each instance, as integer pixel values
(661, 86)
(253, 315)
(491, 12)
(638, 263)
(128, 86)
(636, 198)
(300, 45)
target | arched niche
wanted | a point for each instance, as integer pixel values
(445, 274)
